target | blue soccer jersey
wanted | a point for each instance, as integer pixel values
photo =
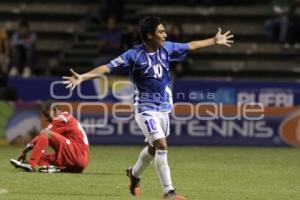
(150, 74)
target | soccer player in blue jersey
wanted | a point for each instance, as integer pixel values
(148, 66)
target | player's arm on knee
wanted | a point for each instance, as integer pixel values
(47, 132)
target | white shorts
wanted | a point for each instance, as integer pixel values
(155, 125)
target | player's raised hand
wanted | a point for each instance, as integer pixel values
(72, 81)
(224, 39)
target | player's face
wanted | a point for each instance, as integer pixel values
(160, 35)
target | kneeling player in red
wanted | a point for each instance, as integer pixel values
(66, 137)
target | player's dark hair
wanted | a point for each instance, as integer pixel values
(48, 105)
(46, 109)
(148, 25)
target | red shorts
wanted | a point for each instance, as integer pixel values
(69, 156)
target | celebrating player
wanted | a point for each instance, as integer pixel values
(67, 138)
(148, 64)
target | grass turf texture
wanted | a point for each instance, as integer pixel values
(210, 173)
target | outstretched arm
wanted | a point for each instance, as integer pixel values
(220, 39)
(76, 79)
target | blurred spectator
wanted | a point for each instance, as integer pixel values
(294, 29)
(130, 38)
(23, 44)
(4, 51)
(6, 92)
(278, 26)
(114, 7)
(107, 8)
(176, 35)
(109, 42)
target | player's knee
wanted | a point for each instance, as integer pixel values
(162, 147)
(160, 144)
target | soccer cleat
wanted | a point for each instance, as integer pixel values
(49, 169)
(24, 166)
(134, 183)
(172, 195)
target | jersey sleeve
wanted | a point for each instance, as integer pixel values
(124, 61)
(177, 51)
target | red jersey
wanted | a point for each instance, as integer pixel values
(68, 126)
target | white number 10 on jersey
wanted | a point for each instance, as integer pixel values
(157, 71)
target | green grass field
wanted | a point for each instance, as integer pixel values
(209, 173)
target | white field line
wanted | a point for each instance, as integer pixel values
(3, 191)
